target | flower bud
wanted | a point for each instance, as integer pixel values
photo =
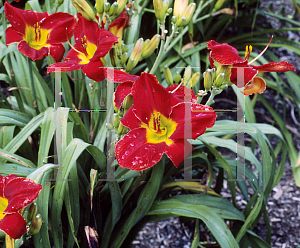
(146, 42)
(124, 48)
(218, 5)
(169, 11)
(31, 212)
(109, 126)
(195, 78)
(121, 5)
(85, 9)
(113, 9)
(177, 77)
(106, 7)
(159, 10)
(224, 86)
(174, 19)
(135, 55)
(179, 7)
(221, 69)
(151, 46)
(35, 225)
(187, 77)
(122, 129)
(116, 121)
(189, 11)
(208, 80)
(127, 103)
(166, 5)
(100, 7)
(219, 80)
(113, 57)
(123, 59)
(181, 22)
(168, 75)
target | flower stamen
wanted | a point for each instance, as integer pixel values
(261, 52)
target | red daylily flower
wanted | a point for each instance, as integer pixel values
(156, 121)
(15, 194)
(118, 26)
(38, 34)
(225, 54)
(91, 45)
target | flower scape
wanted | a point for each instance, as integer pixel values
(111, 155)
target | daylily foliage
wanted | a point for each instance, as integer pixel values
(15, 194)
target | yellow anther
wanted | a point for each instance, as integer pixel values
(246, 52)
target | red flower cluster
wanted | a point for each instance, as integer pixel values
(15, 194)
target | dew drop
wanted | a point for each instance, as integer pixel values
(131, 144)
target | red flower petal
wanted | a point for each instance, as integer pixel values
(224, 53)
(180, 92)
(94, 70)
(202, 117)
(149, 95)
(249, 73)
(105, 41)
(14, 225)
(30, 52)
(12, 36)
(282, 66)
(70, 65)
(176, 151)
(130, 120)
(134, 153)
(61, 26)
(120, 21)
(57, 52)
(121, 92)
(119, 76)
(20, 192)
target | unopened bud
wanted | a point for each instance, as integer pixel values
(116, 121)
(121, 5)
(218, 5)
(169, 11)
(208, 80)
(35, 225)
(31, 212)
(159, 10)
(219, 80)
(106, 7)
(195, 78)
(177, 77)
(135, 55)
(166, 5)
(221, 69)
(127, 103)
(122, 129)
(124, 48)
(85, 9)
(123, 59)
(146, 42)
(109, 126)
(113, 57)
(174, 19)
(224, 86)
(100, 7)
(151, 46)
(113, 9)
(189, 11)
(181, 22)
(168, 75)
(179, 7)
(187, 76)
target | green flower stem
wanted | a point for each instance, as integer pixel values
(163, 48)
(211, 97)
(29, 62)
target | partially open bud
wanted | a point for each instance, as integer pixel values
(179, 7)
(31, 212)
(195, 78)
(160, 11)
(35, 225)
(85, 9)
(168, 75)
(151, 46)
(208, 79)
(177, 77)
(135, 55)
(117, 28)
(100, 7)
(219, 80)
